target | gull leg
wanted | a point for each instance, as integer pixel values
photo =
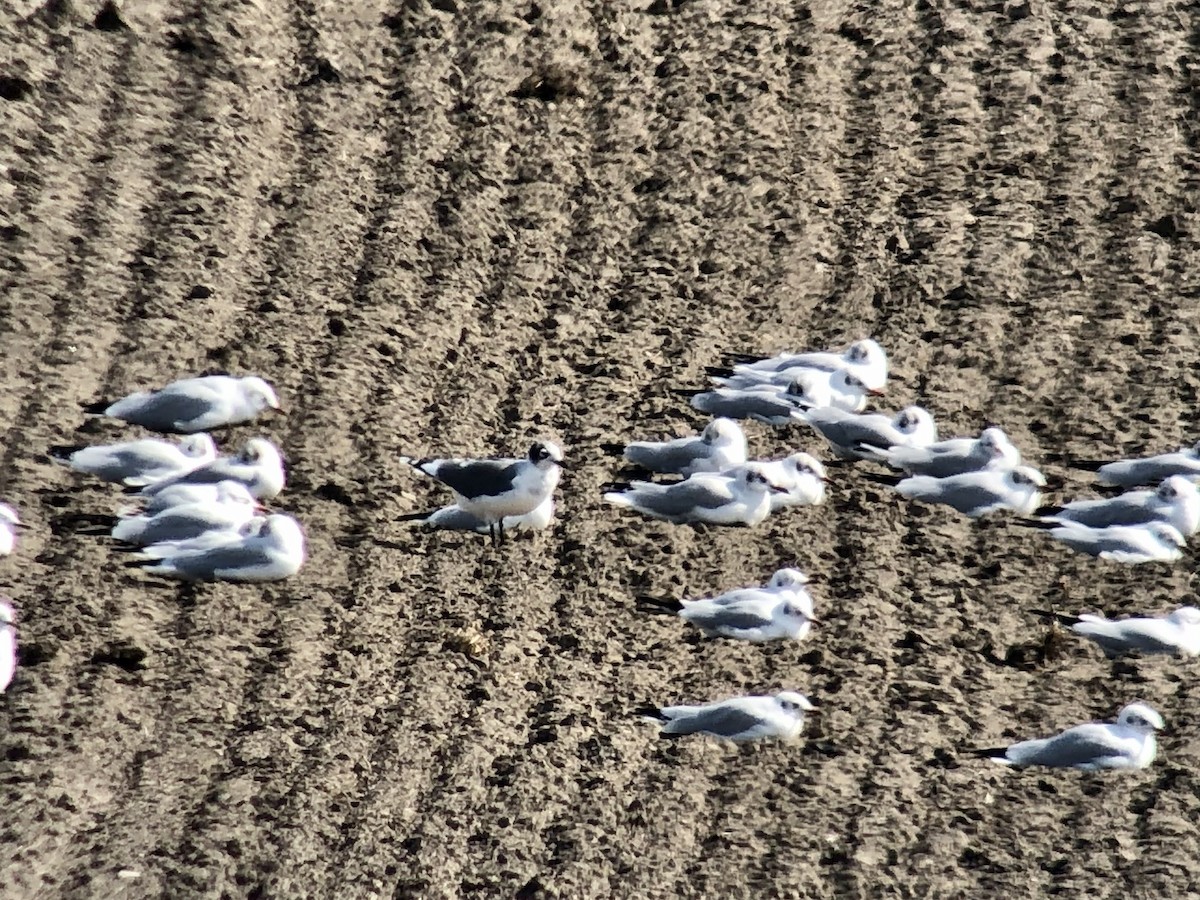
(500, 528)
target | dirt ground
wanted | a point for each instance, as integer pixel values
(450, 225)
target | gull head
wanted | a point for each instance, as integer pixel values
(796, 703)
(801, 386)
(1167, 535)
(1140, 716)
(260, 394)
(1176, 487)
(806, 464)
(722, 431)
(545, 454)
(918, 424)
(1027, 476)
(755, 480)
(865, 353)
(788, 578)
(282, 530)
(799, 610)
(850, 383)
(198, 446)
(1185, 617)
(259, 451)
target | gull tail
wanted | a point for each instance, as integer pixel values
(1060, 618)
(650, 711)
(96, 408)
(1050, 509)
(1087, 465)
(1044, 524)
(613, 449)
(140, 563)
(735, 359)
(667, 606)
(996, 753)
(684, 392)
(62, 452)
(881, 478)
(418, 517)
(718, 371)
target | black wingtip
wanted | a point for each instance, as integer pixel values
(96, 407)
(718, 371)
(1087, 465)
(651, 711)
(990, 753)
(1050, 509)
(415, 517)
(618, 486)
(684, 392)
(734, 359)
(139, 563)
(1034, 523)
(882, 478)
(63, 452)
(663, 605)
(613, 449)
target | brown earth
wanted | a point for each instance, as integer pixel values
(456, 225)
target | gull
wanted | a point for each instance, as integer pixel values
(739, 719)
(1176, 501)
(496, 489)
(8, 644)
(258, 466)
(1129, 744)
(276, 552)
(802, 477)
(809, 387)
(780, 610)
(957, 456)
(720, 446)
(1150, 470)
(455, 518)
(768, 404)
(740, 496)
(138, 463)
(854, 436)
(184, 495)
(975, 493)
(9, 523)
(1132, 544)
(193, 404)
(181, 523)
(1175, 634)
(864, 358)
(207, 541)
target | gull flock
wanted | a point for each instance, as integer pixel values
(198, 515)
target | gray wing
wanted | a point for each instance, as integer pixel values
(735, 619)
(680, 500)
(723, 721)
(167, 410)
(226, 468)
(1096, 542)
(941, 465)
(166, 527)
(968, 498)
(219, 559)
(849, 432)
(474, 478)
(1113, 512)
(1133, 636)
(1132, 472)
(745, 405)
(1078, 746)
(667, 457)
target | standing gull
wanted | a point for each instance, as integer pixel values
(780, 610)
(193, 404)
(720, 446)
(496, 489)
(741, 496)
(1128, 744)
(740, 719)
(138, 463)
(1175, 634)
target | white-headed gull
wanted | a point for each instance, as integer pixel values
(193, 404)
(975, 493)
(138, 463)
(1128, 744)
(258, 466)
(855, 436)
(276, 552)
(720, 446)
(956, 456)
(739, 719)
(1174, 634)
(1130, 544)
(740, 496)
(782, 609)
(1176, 501)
